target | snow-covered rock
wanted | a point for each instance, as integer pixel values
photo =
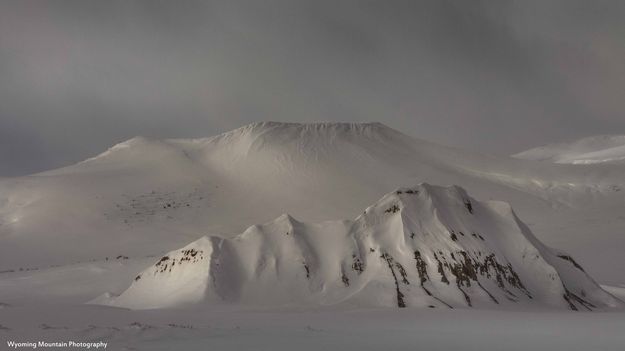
(424, 246)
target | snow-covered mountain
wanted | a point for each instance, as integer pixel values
(424, 246)
(145, 196)
(589, 150)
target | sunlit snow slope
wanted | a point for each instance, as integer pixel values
(424, 246)
(146, 196)
(590, 150)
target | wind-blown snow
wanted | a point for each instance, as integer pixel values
(424, 246)
(589, 150)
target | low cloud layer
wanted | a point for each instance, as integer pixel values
(493, 76)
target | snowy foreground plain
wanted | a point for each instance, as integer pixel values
(83, 234)
(44, 306)
(370, 329)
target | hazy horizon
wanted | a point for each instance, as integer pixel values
(78, 77)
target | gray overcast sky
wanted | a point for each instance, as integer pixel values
(496, 76)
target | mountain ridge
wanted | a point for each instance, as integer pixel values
(422, 246)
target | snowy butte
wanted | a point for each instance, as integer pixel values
(424, 246)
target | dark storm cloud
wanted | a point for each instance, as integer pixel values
(495, 76)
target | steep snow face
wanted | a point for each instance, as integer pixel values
(425, 246)
(590, 150)
(181, 277)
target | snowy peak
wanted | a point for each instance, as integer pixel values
(301, 139)
(274, 133)
(288, 142)
(318, 128)
(590, 150)
(423, 246)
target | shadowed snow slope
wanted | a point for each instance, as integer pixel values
(425, 246)
(590, 150)
(147, 196)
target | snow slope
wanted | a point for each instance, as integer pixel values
(145, 196)
(589, 150)
(420, 246)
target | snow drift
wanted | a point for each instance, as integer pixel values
(425, 246)
(585, 151)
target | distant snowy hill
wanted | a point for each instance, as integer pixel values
(424, 246)
(145, 196)
(590, 150)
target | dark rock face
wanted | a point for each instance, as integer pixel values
(570, 259)
(468, 205)
(466, 269)
(570, 298)
(392, 265)
(344, 279)
(357, 265)
(166, 264)
(463, 270)
(392, 209)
